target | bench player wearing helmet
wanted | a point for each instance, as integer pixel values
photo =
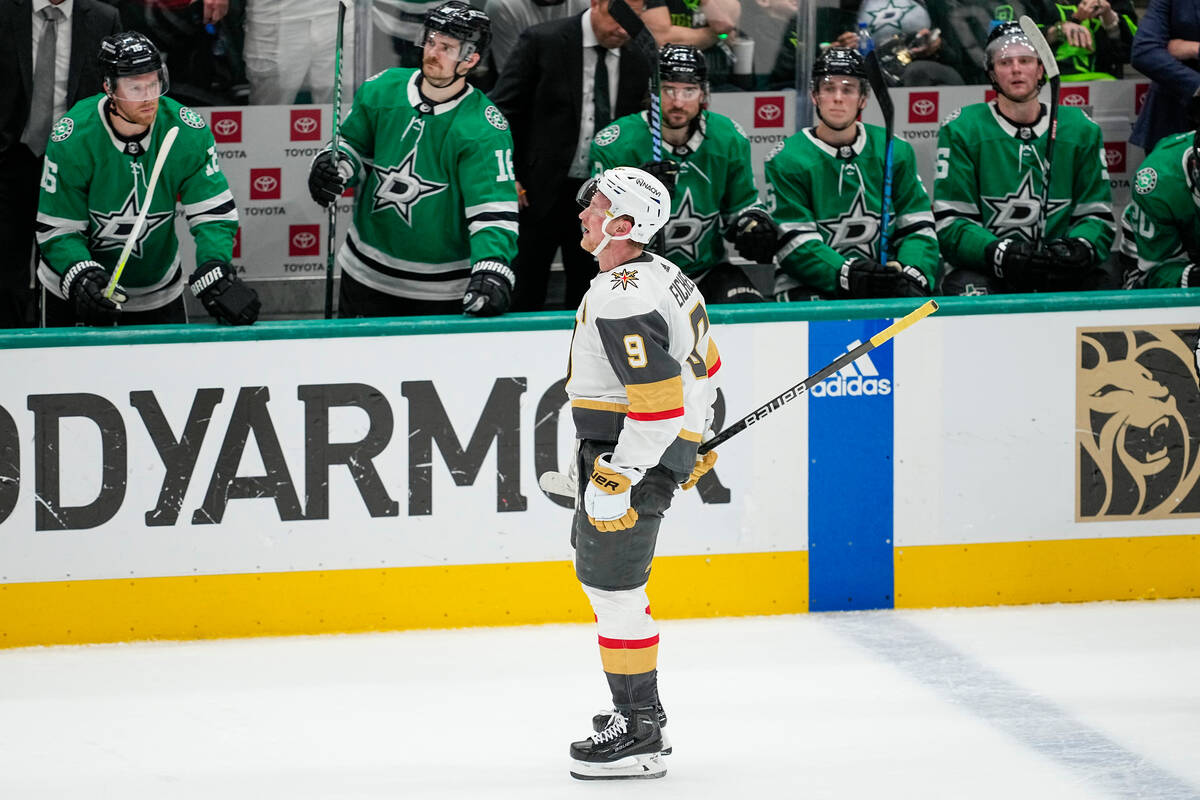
(706, 164)
(641, 386)
(434, 228)
(825, 189)
(987, 192)
(98, 164)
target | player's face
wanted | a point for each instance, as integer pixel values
(839, 100)
(1017, 73)
(608, 33)
(680, 103)
(440, 59)
(137, 96)
(591, 221)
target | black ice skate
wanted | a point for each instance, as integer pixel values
(629, 746)
(600, 722)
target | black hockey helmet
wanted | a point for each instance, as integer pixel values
(130, 53)
(839, 61)
(463, 22)
(683, 63)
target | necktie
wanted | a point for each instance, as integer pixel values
(600, 101)
(41, 111)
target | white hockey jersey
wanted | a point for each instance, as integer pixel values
(643, 364)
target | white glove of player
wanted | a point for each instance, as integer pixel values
(608, 494)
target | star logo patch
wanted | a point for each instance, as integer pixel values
(687, 227)
(110, 231)
(401, 188)
(624, 279)
(856, 230)
(1017, 212)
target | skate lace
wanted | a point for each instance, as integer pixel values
(617, 726)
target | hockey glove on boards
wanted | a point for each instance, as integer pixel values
(1012, 260)
(608, 495)
(1190, 277)
(327, 182)
(225, 296)
(83, 286)
(489, 291)
(910, 281)
(755, 236)
(860, 278)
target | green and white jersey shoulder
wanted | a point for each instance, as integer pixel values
(1165, 215)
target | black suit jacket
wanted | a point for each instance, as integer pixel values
(540, 92)
(91, 21)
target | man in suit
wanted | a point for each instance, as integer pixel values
(48, 53)
(555, 100)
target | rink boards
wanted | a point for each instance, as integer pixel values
(313, 477)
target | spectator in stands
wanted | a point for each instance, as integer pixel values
(566, 80)
(510, 18)
(768, 23)
(699, 23)
(995, 235)
(291, 45)
(825, 189)
(40, 86)
(965, 26)
(706, 167)
(435, 214)
(909, 50)
(1167, 50)
(1098, 49)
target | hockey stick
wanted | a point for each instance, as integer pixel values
(331, 236)
(1046, 55)
(560, 484)
(641, 38)
(163, 149)
(879, 87)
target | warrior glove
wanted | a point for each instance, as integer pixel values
(608, 496)
(1013, 261)
(326, 182)
(666, 171)
(226, 297)
(83, 286)
(755, 236)
(489, 291)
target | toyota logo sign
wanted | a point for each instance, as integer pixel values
(226, 126)
(304, 240)
(768, 112)
(1114, 156)
(265, 184)
(1075, 96)
(923, 108)
(306, 124)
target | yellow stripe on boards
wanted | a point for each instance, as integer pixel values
(1058, 571)
(347, 601)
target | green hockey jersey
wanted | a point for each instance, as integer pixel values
(93, 189)
(828, 201)
(715, 184)
(436, 191)
(1165, 218)
(988, 183)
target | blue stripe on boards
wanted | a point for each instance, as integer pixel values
(850, 424)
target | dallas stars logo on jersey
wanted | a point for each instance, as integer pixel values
(1018, 212)
(855, 230)
(687, 226)
(110, 231)
(401, 188)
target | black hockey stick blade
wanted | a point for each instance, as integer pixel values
(838, 363)
(639, 34)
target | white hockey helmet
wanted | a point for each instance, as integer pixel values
(633, 193)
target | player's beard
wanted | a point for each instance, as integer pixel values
(438, 81)
(137, 113)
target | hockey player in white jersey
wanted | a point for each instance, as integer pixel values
(640, 382)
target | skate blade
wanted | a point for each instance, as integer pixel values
(629, 768)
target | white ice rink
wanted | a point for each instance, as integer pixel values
(1070, 701)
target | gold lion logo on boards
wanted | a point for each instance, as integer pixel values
(1137, 422)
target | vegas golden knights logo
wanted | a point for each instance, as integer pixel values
(1137, 423)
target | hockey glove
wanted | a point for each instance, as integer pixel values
(608, 496)
(84, 286)
(327, 182)
(665, 171)
(1012, 261)
(704, 463)
(1190, 277)
(863, 279)
(910, 282)
(1071, 256)
(755, 236)
(489, 291)
(226, 297)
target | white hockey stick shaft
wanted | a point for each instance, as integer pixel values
(163, 149)
(1050, 64)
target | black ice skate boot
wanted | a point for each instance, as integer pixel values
(629, 746)
(600, 722)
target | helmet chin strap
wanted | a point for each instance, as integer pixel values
(113, 108)
(608, 237)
